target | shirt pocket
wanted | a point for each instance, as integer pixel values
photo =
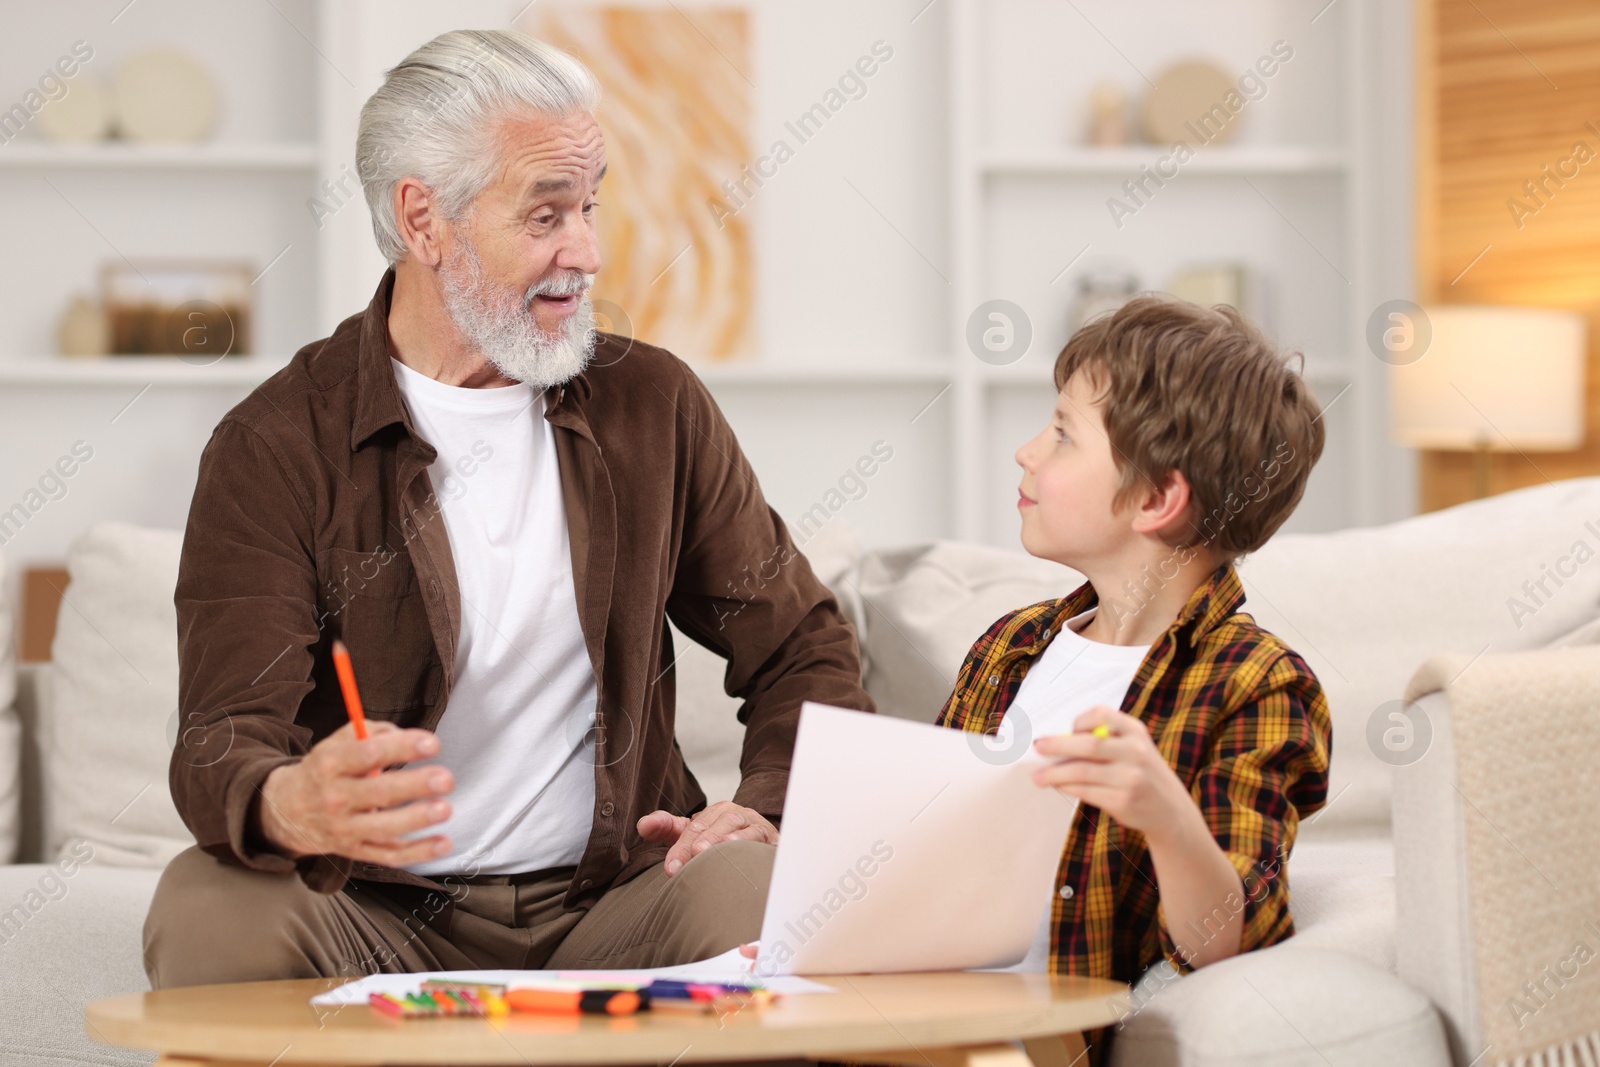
(374, 603)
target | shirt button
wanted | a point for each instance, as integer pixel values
(607, 808)
(994, 679)
(1065, 892)
(585, 884)
(433, 587)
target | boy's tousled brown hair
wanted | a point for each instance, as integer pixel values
(1201, 391)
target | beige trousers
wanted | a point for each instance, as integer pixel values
(217, 922)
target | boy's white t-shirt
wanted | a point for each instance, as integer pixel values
(1072, 675)
(517, 731)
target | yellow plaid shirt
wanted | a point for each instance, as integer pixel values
(1240, 718)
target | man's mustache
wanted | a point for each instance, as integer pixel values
(567, 283)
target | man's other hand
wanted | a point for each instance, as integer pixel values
(722, 821)
(330, 802)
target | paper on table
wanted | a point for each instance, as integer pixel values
(729, 967)
(909, 847)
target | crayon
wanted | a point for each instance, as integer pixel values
(388, 1005)
(431, 984)
(474, 998)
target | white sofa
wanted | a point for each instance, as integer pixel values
(1365, 607)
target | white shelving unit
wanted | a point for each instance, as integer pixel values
(229, 372)
(264, 156)
(239, 195)
(1127, 161)
(1288, 199)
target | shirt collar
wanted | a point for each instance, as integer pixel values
(1218, 597)
(378, 402)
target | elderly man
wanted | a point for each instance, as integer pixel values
(497, 509)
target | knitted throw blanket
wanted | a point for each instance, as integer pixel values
(1527, 738)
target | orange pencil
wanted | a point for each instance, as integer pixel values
(352, 696)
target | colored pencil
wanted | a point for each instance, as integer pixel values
(352, 695)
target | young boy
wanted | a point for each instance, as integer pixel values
(1194, 740)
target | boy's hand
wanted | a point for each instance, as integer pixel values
(1124, 776)
(1122, 773)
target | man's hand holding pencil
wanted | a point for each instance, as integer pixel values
(338, 800)
(330, 803)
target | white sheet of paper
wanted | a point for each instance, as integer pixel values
(728, 967)
(909, 847)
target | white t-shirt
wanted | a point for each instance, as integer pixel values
(1072, 675)
(517, 729)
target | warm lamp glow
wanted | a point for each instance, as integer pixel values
(1493, 378)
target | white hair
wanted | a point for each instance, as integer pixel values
(435, 116)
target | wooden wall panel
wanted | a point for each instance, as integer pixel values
(1507, 88)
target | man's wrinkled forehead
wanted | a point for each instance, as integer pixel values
(564, 184)
(553, 156)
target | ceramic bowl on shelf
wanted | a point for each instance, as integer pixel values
(83, 115)
(164, 95)
(1180, 105)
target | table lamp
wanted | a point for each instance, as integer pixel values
(1493, 379)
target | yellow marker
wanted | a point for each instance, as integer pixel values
(1101, 731)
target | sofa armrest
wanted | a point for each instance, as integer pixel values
(1496, 833)
(1431, 936)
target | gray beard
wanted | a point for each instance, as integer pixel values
(502, 327)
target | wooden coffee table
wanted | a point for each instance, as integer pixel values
(943, 1018)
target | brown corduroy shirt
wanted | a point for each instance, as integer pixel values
(314, 518)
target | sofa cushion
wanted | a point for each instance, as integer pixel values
(925, 605)
(1342, 895)
(1285, 1006)
(107, 736)
(72, 935)
(10, 728)
(1365, 607)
